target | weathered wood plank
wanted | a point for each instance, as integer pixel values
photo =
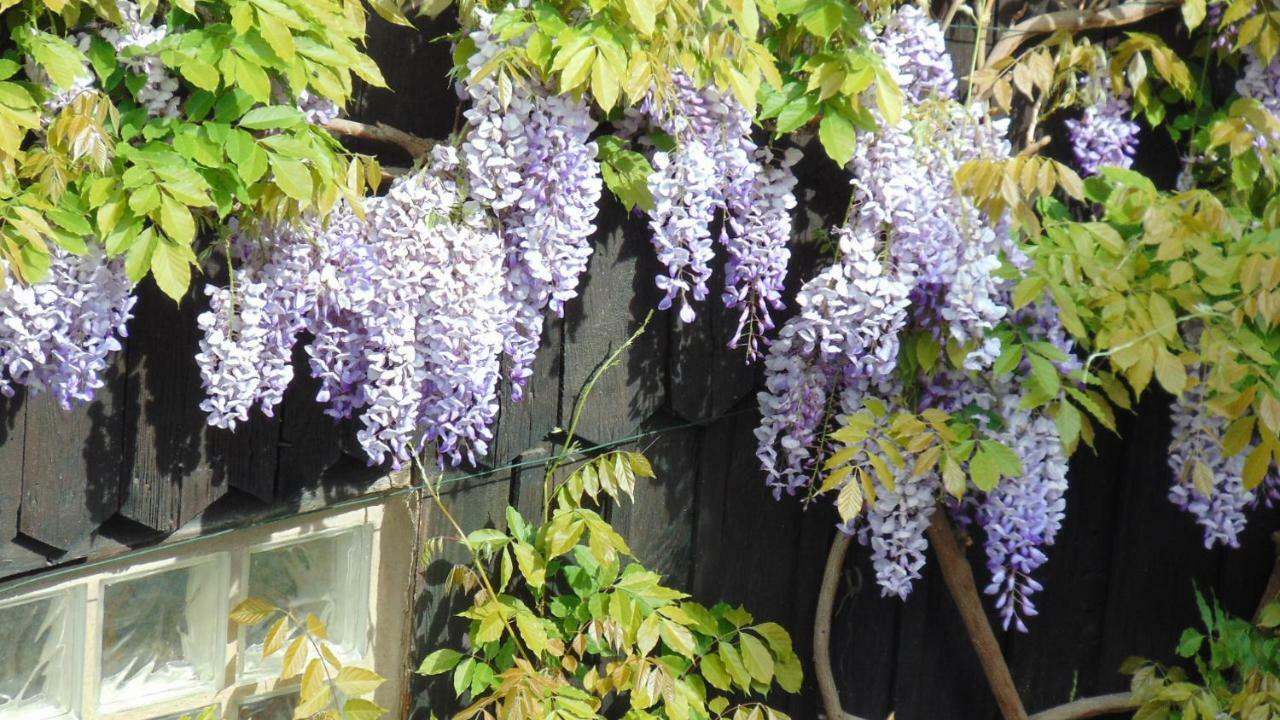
(938, 674)
(1158, 555)
(745, 540)
(707, 377)
(529, 423)
(1055, 661)
(13, 430)
(617, 292)
(172, 464)
(71, 464)
(170, 476)
(659, 524)
(16, 555)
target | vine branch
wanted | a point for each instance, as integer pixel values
(959, 578)
(383, 133)
(1075, 20)
(827, 687)
(1093, 707)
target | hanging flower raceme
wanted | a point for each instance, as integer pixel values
(58, 334)
(1105, 134)
(846, 331)
(530, 159)
(1022, 515)
(894, 522)
(245, 353)
(407, 313)
(716, 171)
(1206, 482)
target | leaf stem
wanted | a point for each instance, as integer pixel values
(475, 556)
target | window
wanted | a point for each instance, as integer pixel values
(148, 637)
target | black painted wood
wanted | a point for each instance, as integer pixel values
(169, 478)
(1118, 581)
(73, 459)
(619, 276)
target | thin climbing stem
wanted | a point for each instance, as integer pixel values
(568, 449)
(481, 572)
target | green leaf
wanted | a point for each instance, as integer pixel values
(563, 534)
(626, 173)
(789, 673)
(677, 637)
(733, 663)
(361, 709)
(102, 56)
(577, 69)
(272, 117)
(1045, 374)
(796, 113)
(1193, 13)
(1006, 459)
(293, 178)
(984, 470)
(837, 136)
(714, 671)
(532, 631)
(440, 661)
(1270, 616)
(1069, 424)
(487, 539)
(531, 564)
(642, 14)
(756, 658)
(64, 63)
(176, 220)
(648, 634)
(462, 675)
(1028, 291)
(201, 74)
(888, 97)
(822, 18)
(1189, 643)
(171, 267)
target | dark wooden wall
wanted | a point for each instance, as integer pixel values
(140, 463)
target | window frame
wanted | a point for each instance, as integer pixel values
(386, 528)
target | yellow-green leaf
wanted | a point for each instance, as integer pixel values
(252, 611)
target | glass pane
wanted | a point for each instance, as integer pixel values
(39, 656)
(327, 577)
(276, 707)
(195, 714)
(162, 634)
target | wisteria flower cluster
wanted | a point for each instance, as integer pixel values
(530, 159)
(413, 308)
(135, 43)
(1105, 134)
(714, 172)
(406, 308)
(914, 253)
(58, 334)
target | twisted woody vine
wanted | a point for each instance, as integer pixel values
(982, 309)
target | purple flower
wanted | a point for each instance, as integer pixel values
(1104, 134)
(58, 334)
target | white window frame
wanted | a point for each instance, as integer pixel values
(386, 527)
